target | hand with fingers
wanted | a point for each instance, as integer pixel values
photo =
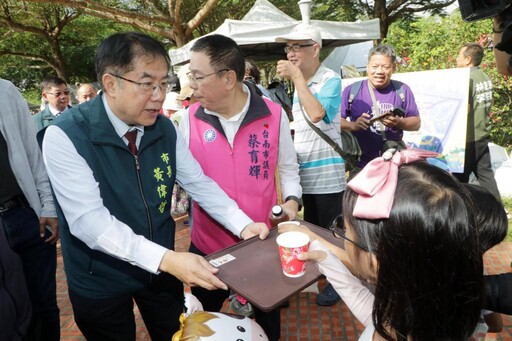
(291, 208)
(287, 70)
(255, 229)
(391, 121)
(313, 255)
(191, 269)
(53, 228)
(362, 122)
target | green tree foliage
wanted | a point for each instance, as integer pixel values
(391, 11)
(336, 10)
(433, 43)
(34, 32)
(175, 20)
(39, 40)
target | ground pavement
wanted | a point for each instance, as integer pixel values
(303, 320)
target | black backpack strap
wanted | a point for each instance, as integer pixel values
(398, 89)
(357, 86)
(354, 90)
(323, 135)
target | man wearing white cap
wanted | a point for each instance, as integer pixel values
(317, 100)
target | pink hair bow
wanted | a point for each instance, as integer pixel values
(376, 183)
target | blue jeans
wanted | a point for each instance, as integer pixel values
(39, 260)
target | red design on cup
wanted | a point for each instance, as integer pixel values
(292, 244)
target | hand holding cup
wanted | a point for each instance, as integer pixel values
(291, 244)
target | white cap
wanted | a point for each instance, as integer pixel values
(302, 32)
(171, 102)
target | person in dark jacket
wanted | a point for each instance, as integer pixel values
(498, 293)
(28, 217)
(15, 307)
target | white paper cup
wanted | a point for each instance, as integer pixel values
(289, 222)
(292, 244)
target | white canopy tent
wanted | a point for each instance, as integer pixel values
(354, 55)
(257, 30)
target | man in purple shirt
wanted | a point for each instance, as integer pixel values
(387, 95)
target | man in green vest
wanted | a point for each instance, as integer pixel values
(477, 158)
(55, 93)
(112, 162)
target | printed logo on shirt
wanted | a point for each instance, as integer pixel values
(377, 126)
(210, 135)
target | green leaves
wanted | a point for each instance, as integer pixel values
(431, 43)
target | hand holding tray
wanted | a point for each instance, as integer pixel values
(252, 268)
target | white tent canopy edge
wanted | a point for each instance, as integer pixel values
(257, 30)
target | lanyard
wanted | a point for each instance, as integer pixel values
(376, 111)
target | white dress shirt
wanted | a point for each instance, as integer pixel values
(54, 111)
(90, 221)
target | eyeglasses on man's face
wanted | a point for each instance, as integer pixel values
(295, 47)
(197, 79)
(59, 93)
(339, 230)
(148, 87)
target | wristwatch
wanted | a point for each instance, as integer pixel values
(294, 198)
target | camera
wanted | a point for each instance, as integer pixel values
(473, 10)
(398, 112)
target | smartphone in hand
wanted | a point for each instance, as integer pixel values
(379, 117)
(395, 112)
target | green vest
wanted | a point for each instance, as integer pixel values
(138, 194)
(480, 102)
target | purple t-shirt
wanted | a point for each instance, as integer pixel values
(370, 139)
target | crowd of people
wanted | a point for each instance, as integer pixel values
(99, 176)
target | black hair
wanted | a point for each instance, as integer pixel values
(475, 52)
(224, 53)
(430, 271)
(117, 53)
(254, 72)
(491, 218)
(48, 82)
(384, 50)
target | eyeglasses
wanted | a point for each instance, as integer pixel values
(339, 230)
(295, 47)
(196, 80)
(148, 87)
(60, 93)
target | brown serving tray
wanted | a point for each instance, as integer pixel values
(252, 268)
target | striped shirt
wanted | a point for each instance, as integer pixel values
(322, 170)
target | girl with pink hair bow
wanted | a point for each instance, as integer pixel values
(409, 230)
